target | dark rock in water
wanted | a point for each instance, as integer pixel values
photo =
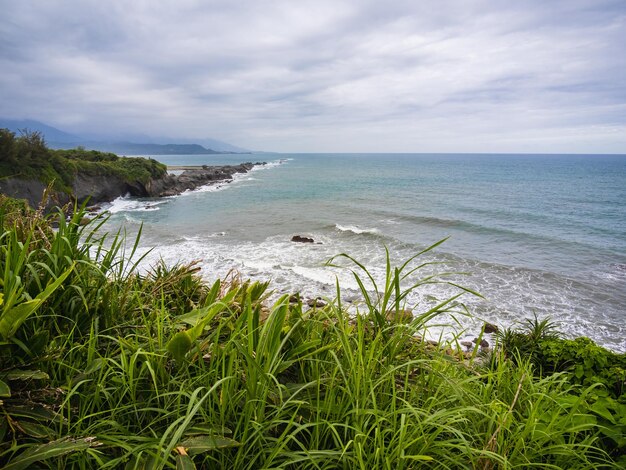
(490, 328)
(294, 298)
(483, 343)
(317, 302)
(300, 239)
(468, 344)
(84, 221)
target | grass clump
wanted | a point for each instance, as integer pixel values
(117, 368)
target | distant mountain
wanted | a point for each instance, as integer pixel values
(221, 146)
(59, 139)
(213, 144)
(50, 133)
(132, 148)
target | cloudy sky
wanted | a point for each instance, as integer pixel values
(323, 76)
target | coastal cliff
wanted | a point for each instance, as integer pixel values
(28, 167)
(98, 188)
(103, 189)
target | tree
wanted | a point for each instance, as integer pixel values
(7, 146)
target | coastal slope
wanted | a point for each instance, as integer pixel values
(28, 167)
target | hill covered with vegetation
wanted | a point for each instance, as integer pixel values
(26, 157)
(103, 365)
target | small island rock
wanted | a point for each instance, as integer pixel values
(301, 239)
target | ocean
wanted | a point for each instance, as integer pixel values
(533, 234)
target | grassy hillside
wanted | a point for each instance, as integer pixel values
(103, 366)
(27, 156)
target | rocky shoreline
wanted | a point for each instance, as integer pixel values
(103, 188)
(194, 177)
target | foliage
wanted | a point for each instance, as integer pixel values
(27, 156)
(581, 362)
(585, 362)
(128, 368)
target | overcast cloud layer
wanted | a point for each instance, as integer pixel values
(394, 76)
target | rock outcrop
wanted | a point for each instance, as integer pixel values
(31, 190)
(105, 188)
(172, 185)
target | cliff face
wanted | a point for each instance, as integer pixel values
(105, 188)
(31, 190)
(100, 188)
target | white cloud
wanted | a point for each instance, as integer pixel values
(325, 75)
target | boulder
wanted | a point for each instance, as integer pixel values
(490, 328)
(317, 302)
(467, 344)
(483, 343)
(301, 239)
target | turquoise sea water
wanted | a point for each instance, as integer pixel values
(535, 233)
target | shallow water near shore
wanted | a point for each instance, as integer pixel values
(542, 234)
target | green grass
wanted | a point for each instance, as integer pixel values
(118, 368)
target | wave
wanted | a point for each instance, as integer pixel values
(356, 229)
(527, 236)
(210, 188)
(271, 164)
(130, 204)
(510, 293)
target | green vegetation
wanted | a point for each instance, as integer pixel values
(27, 156)
(103, 366)
(584, 364)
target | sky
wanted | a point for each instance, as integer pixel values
(536, 76)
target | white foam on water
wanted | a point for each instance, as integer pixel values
(512, 295)
(391, 222)
(130, 204)
(237, 178)
(315, 274)
(201, 238)
(272, 164)
(208, 188)
(356, 230)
